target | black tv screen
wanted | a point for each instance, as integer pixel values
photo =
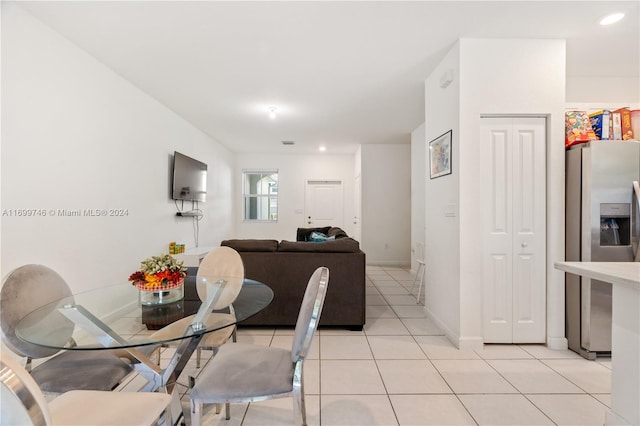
(189, 178)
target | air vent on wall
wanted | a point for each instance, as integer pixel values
(288, 143)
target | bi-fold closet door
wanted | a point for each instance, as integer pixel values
(514, 224)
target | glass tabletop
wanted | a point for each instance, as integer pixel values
(116, 310)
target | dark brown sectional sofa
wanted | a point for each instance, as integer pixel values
(286, 267)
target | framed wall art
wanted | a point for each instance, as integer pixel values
(440, 155)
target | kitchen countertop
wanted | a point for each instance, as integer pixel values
(625, 334)
(626, 273)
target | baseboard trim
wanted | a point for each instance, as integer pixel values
(557, 343)
(460, 342)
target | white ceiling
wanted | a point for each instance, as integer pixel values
(341, 73)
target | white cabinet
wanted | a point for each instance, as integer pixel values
(513, 227)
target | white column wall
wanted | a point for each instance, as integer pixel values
(488, 79)
(493, 76)
(442, 233)
(75, 135)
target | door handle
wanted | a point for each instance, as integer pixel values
(524, 245)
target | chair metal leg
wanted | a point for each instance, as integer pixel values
(419, 278)
(198, 356)
(299, 409)
(196, 413)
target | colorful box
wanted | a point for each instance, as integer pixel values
(578, 128)
(621, 119)
(600, 123)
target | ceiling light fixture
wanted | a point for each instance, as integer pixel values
(272, 112)
(322, 148)
(611, 19)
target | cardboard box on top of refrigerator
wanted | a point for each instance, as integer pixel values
(578, 128)
(621, 124)
(600, 122)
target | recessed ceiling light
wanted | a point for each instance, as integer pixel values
(611, 19)
(272, 111)
(288, 143)
(322, 148)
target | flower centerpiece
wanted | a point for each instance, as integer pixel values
(160, 279)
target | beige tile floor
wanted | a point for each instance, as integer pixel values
(401, 370)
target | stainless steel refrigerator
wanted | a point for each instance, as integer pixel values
(600, 227)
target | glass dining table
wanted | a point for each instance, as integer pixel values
(111, 318)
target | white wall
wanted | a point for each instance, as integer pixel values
(418, 177)
(442, 233)
(386, 203)
(616, 91)
(77, 136)
(488, 79)
(293, 172)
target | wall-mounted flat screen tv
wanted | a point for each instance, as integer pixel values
(189, 178)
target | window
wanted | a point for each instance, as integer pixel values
(260, 195)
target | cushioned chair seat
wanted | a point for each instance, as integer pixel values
(245, 371)
(77, 408)
(68, 371)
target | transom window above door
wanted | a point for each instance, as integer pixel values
(260, 195)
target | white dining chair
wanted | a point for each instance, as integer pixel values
(249, 373)
(221, 263)
(33, 286)
(23, 403)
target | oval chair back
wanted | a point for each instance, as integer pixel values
(309, 314)
(221, 263)
(24, 290)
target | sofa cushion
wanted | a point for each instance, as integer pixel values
(343, 245)
(251, 245)
(337, 233)
(302, 234)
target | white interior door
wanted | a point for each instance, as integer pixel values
(514, 226)
(323, 203)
